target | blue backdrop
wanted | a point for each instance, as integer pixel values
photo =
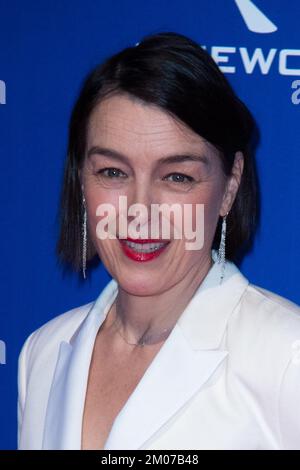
(46, 48)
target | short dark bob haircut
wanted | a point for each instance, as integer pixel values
(175, 73)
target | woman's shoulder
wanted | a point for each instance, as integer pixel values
(264, 351)
(265, 326)
(271, 307)
(58, 329)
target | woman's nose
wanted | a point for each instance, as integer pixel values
(141, 193)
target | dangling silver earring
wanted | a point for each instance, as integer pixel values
(84, 238)
(221, 253)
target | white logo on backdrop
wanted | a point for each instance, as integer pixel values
(296, 94)
(231, 58)
(2, 92)
(2, 352)
(256, 21)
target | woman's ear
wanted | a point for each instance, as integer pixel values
(233, 183)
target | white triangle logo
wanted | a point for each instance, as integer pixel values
(256, 21)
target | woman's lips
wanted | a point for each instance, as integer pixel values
(146, 240)
(135, 253)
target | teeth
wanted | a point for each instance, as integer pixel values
(144, 247)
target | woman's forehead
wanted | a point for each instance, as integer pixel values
(122, 121)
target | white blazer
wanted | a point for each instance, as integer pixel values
(227, 377)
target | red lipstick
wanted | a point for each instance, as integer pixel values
(137, 255)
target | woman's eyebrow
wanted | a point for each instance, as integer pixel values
(178, 158)
(96, 150)
(185, 158)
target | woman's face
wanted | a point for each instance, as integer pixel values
(139, 137)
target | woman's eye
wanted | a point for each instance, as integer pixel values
(180, 178)
(110, 172)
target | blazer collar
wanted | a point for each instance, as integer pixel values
(204, 320)
(185, 362)
(63, 420)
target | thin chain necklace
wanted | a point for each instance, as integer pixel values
(142, 342)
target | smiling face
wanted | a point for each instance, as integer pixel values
(128, 143)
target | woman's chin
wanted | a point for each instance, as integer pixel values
(140, 285)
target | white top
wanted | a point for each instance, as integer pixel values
(227, 377)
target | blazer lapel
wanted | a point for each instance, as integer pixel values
(56, 417)
(174, 376)
(65, 407)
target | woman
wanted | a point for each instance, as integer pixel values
(179, 351)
